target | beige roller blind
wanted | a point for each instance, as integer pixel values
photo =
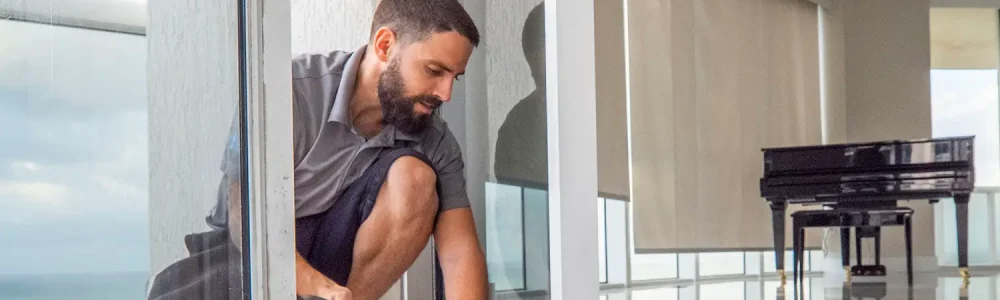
(612, 123)
(712, 82)
(964, 38)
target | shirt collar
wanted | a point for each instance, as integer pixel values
(340, 112)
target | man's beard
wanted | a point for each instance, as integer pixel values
(397, 109)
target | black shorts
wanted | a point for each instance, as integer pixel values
(326, 240)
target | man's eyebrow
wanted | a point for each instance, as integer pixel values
(444, 67)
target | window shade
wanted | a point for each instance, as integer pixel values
(711, 83)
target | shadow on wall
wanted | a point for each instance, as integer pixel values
(521, 149)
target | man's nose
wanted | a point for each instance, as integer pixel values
(443, 91)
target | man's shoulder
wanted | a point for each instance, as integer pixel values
(316, 65)
(440, 138)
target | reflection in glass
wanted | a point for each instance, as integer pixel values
(727, 290)
(517, 198)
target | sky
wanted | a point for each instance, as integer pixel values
(73, 165)
(964, 102)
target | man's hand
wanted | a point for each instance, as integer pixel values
(462, 259)
(309, 282)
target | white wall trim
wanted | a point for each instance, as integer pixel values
(267, 75)
(571, 112)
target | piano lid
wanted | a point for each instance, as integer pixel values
(900, 155)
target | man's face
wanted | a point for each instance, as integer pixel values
(420, 78)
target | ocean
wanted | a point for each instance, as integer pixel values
(119, 286)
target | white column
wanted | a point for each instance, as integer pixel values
(572, 148)
(267, 46)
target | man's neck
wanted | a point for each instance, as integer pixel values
(366, 112)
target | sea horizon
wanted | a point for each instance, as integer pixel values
(78, 286)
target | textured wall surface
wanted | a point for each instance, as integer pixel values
(193, 93)
(515, 96)
(323, 26)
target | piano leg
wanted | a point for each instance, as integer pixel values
(778, 207)
(907, 228)
(962, 223)
(857, 244)
(845, 252)
(878, 246)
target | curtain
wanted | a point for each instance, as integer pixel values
(712, 82)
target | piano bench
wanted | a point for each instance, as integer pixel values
(866, 222)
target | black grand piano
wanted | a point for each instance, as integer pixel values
(874, 174)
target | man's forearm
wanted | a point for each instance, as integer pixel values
(466, 277)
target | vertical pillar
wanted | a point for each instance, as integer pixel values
(572, 148)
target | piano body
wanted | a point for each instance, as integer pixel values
(873, 174)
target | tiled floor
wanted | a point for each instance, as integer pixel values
(944, 285)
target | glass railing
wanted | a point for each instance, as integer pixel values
(983, 239)
(517, 246)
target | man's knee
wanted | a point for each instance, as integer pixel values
(412, 186)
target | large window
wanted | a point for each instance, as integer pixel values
(964, 101)
(112, 144)
(73, 168)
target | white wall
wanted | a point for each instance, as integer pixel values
(193, 94)
(324, 26)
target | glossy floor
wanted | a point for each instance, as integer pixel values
(942, 285)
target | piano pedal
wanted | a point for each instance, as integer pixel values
(847, 274)
(781, 274)
(867, 273)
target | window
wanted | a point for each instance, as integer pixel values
(964, 102)
(602, 240)
(106, 178)
(720, 263)
(73, 169)
(505, 236)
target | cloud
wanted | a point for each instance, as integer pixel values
(44, 194)
(73, 164)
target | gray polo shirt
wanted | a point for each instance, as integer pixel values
(329, 154)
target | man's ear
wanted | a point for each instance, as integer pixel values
(384, 40)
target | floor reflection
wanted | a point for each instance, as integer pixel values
(926, 286)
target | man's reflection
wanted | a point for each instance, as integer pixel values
(521, 154)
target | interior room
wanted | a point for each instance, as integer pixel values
(620, 149)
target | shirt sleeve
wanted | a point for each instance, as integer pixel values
(451, 174)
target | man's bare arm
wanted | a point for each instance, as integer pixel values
(462, 259)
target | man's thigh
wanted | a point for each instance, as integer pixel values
(326, 240)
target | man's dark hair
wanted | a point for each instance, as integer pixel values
(416, 20)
